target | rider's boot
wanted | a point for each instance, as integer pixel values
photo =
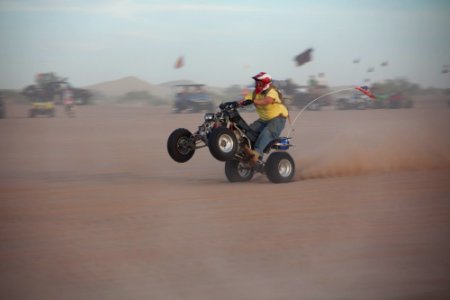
(253, 156)
(247, 150)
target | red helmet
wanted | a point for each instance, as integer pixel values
(265, 78)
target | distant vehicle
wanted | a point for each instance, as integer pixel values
(82, 96)
(304, 96)
(41, 100)
(394, 94)
(355, 101)
(393, 100)
(51, 87)
(296, 96)
(192, 98)
(42, 107)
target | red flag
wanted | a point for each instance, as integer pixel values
(365, 90)
(303, 57)
(179, 63)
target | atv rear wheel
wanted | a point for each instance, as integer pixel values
(280, 167)
(222, 143)
(180, 146)
(236, 171)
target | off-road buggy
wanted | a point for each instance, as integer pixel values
(192, 98)
(226, 134)
(49, 87)
(42, 108)
(353, 101)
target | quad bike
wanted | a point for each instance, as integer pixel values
(226, 134)
(42, 108)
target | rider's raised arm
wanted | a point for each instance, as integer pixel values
(247, 100)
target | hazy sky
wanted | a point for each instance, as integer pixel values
(223, 42)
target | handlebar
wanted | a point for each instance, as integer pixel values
(229, 105)
(234, 104)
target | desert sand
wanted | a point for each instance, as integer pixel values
(92, 207)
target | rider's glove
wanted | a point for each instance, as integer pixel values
(245, 102)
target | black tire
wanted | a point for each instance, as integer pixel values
(222, 144)
(179, 145)
(236, 171)
(280, 167)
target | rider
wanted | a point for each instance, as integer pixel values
(271, 111)
(68, 99)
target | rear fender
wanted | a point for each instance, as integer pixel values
(281, 143)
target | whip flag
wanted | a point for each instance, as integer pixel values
(303, 57)
(179, 63)
(365, 90)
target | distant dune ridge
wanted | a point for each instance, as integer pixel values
(128, 84)
(122, 86)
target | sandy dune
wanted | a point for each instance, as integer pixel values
(92, 207)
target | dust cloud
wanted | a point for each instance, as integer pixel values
(347, 156)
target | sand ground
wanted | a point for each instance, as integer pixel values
(92, 207)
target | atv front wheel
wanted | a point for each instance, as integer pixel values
(280, 167)
(180, 145)
(236, 171)
(222, 143)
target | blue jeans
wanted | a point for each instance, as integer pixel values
(267, 131)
